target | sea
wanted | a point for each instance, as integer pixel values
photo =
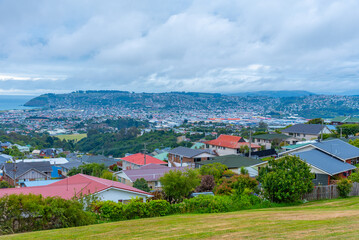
(12, 102)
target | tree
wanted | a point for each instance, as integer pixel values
(286, 179)
(108, 175)
(207, 184)
(214, 169)
(177, 185)
(92, 169)
(315, 121)
(348, 129)
(354, 142)
(141, 184)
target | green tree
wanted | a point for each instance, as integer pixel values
(214, 169)
(315, 121)
(92, 169)
(354, 142)
(108, 175)
(177, 185)
(286, 179)
(348, 129)
(141, 184)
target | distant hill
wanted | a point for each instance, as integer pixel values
(274, 94)
(276, 103)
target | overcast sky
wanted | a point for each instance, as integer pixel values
(156, 46)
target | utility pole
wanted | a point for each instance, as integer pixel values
(250, 143)
(321, 136)
(341, 132)
(144, 153)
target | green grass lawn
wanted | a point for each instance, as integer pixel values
(76, 137)
(332, 219)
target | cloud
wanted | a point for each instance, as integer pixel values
(156, 46)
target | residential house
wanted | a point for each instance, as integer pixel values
(199, 145)
(182, 156)
(137, 160)
(150, 172)
(235, 162)
(345, 120)
(18, 173)
(328, 159)
(273, 140)
(22, 148)
(100, 159)
(66, 167)
(80, 185)
(306, 131)
(52, 161)
(228, 144)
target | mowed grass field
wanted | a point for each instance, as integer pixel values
(76, 137)
(333, 219)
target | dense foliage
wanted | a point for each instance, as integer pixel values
(286, 179)
(4, 184)
(20, 213)
(214, 169)
(344, 186)
(92, 169)
(207, 184)
(177, 185)
(348, 129)
(141, 184)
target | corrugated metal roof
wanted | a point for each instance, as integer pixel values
(338, 148)
(305, 129)
(324, 162)
(233, 161)
(188, 152)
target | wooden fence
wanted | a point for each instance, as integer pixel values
(329, 192)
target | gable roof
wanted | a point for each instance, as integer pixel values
(139, 159)
(233, 161)
(72, 164)
(338, 148)
(23, 167)
(324, 162)
(78, 185)
(188, 152)
(305, 128)
(228, 141)
(150, 174)
(271, 136)
(100, 159)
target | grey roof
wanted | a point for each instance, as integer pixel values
(338, 148)
(3, 160)
(233, 161)
(188, 152)
(99, 159)
(325, 162)
(22, 167)
(305, 129)
(150, 174)
(71, 165)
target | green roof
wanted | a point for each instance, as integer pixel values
(198, 145)
(290, 147)
(271, 136)
(162, 156)
(339, 119)
(346, 119)
(352, 120)
(233, 161)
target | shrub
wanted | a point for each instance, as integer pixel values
(224, 188)
(344, 187)
(244, 171)
(20, 213)
(354, 177)
(109, 211)
(136, 208)
(4, 184)
(158, 208)
(207, 184)
(286, 179)
(207, 204)
(228, 174)
(242, 182)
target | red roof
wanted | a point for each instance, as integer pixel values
(139, 159)
(230, 141)
(68, 187)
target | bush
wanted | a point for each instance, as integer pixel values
(158, 208)
(214, 169)
(236, 184)
(109, 211)
(344, 187)
(4, 184)
(286, 179)
(136, 208)
(207, 204)
(20, 213)
(354, 177)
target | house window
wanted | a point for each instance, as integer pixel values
(315, 176)
(158, 184)
(303, 135)
(197, 159)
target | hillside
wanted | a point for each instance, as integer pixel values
(331, 219)
(303, 103)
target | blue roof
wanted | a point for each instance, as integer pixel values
(325, 162)
(338, 148)
(39, 183)
(55, 172)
